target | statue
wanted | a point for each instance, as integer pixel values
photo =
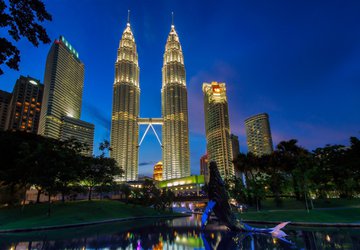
(219, 203)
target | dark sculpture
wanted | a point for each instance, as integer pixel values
(219, 203)
(218, 193)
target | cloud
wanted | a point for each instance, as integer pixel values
(99, 117)
(146, 163)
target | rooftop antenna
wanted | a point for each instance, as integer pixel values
(172, 19)
(128, 18)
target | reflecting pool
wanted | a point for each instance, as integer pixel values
(180, 233)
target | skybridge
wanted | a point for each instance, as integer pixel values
(150, 122)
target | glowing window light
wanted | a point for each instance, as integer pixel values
(33, 82)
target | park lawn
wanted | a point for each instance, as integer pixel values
(287, 203)
(35, 215)
(341, 215)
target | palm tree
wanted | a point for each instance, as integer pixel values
(289, 153)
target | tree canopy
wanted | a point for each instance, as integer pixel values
(21, 18)
(51, 166)
(292, 171)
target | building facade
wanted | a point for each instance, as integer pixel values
(5, 98)
(235, 145)
(80, 130)
(63, 89)
(64, 81)
(125, 107)
(204, 168)
(158, 171)
(258, 134)
(175, 129)
(235, 151)
(185, 186)
(218, 142)
(25, 105)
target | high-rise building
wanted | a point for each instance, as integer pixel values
(258, 135)
(64, 80)
(235, 151)
(158, 171)
(63, 89)
(5, 98)
(125, 107)
(217, 128)
(235, 145)
(80, 130)
(175, 131)
(25, 105)
(204, 167)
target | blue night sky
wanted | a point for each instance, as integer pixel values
(299, 61)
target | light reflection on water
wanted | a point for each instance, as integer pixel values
(182, 233)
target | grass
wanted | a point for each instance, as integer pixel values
(69, 213)
(341, 215)
(269, 204)
(347, 211)
(326, 211)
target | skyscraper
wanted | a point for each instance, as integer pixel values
(125, 107)
(158, 171)
(80, 130)
(5, 98)
(63, 89)
(217, 128)
(235, 151)
(63, 80)
(235, 145)
(258, 135)
(204, 167)
(25, 105)
(175, 132)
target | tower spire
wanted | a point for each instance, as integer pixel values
(172, 19)
(128, 18)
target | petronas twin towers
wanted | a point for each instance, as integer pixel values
(126, 105)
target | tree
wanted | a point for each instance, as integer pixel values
(330, 174)
(256, 188)
(125, 190)
(70, 165)
(149, 193)
(288, 155)
(167, 198)
(16, 163)
(352, 162)
(236, 189)
(21, 19)
(100, 170)
(257, 177)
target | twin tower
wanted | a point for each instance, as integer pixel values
(125, 119)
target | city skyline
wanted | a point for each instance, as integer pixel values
(298, 63)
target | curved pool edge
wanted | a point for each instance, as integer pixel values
(308, 224)
(54, 227)
(304, 224)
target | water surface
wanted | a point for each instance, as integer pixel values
(180, 233)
